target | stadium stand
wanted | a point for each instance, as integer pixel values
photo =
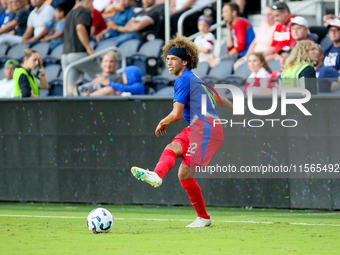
(202, 69)
(15, 52)
(54, 56)
(42, 48)
(167, 91)
(274, 65)
(148, 57)
(219, 73)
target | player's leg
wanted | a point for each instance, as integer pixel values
(168, 158)
(185, 174)
(165, 163)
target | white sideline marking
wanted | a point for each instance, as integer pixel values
(146, 219)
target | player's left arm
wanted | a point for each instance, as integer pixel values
(175, 115)
(225, 102)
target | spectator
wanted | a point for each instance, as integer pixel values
(328, 77)
(332, 53)
(98, 22)
(282, 34)
(300, 65)
(322, 31)
(37, 20)
(25, 84)
(57, 37)
(140, 26)
(240, 34)
(120, 18)
(77, 44)
(7, 83)
(177, 8)
(205, 42)
(258, 79)
(7, 14)
(263, 39)
(36, 25)
(109, 65)
(132, 83)
(284, 53)
(19, 22)
(300, 31)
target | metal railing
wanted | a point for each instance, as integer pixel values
(90, 58)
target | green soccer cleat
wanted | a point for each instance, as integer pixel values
(146, 176)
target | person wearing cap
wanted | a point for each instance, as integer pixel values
(299, 67)
(332, 53)
(7, 83)
(198, 142)
(282, 34)
(328, 77)
(25, 84)
(300, 31)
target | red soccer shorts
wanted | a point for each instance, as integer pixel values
(200, 141)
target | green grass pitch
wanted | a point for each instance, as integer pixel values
(38, 228)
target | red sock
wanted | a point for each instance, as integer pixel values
(195, 195)
(165, 163)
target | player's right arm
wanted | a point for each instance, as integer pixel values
(225, 102)
(175, 115)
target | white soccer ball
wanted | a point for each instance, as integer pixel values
(100, 220)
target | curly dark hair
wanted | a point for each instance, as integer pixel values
(190, 48)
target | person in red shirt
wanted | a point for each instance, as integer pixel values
(98, 22)
(282, 35)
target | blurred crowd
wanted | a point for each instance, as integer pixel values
(284, 52)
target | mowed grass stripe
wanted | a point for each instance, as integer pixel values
(147, 219)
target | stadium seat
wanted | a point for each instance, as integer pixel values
(202, 69)
(54, 56)
(242, 71)
(148, 57)
(167, 91)
(15, 52)
(52, 72)
(105, 44)
(219, 72)
(240, 75)
(159, 82)
(274, 65)
(223, 69)
(325, 42)
(2, 75)
(129, 48)
(43, 48)
(3, 49)
(224, 49)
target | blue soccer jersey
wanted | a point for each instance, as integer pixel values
(189, 91)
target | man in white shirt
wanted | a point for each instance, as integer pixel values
(7, 84)
(36, 25)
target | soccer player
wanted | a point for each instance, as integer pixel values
(198, 142)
